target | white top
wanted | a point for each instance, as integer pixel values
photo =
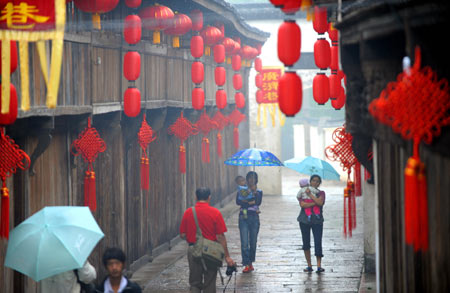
(108, 287)
(67, 281)
(302, 192)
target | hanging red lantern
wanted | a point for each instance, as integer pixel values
(197, 72)
(258, 64)
(96, 7)
(320, 22)
(239, 99)
(212, 36)
(221, 99)
(197, 20)
(219, 53)
(197, 46)
(229, 46)
(198, 98)
(277, 3)
(291, 6)
(132, 29)
(155, 18)
(12, 56)
(334, 64)
(236, 62)
(11, 116)
(237, 81)
(132, 65)
(289, 42)
(237, 46)
(290, 93)
(322, 53)
(338, 103)
(258, 80)
(335, 86)
(321, 88)
(133, 3)
(220, 75)
(178, 26)
(259, 96)
(333, 34)
(132, 102)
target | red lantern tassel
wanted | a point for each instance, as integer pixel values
(145, 173)
(357, 179)
(4, 227)
(207, 151)
(87, 182)
(219, 145)
(411, 201)
(423, 216)
(204, 150)
(345, 211)
(236, 138)
(182, 159)
(92, 192)
(350, 209)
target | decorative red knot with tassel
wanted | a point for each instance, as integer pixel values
(11, 159)
(205, 124)
(417, 106)
(221, 121)
(182, 128)
(145, 137)
(236, 117)
(89, 144)
(342, 152)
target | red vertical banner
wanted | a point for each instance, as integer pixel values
(268, 99)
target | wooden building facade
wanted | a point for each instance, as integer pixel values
(92, 86)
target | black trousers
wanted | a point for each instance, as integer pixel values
(317, 230)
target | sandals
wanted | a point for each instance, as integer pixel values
(320, 270)
(308, 269)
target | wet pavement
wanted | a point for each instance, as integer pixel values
(279, 258)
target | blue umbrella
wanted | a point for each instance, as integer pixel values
(311, 166)
(253, 157)
(52, 241)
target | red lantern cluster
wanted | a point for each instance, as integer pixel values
(220, 75)
(239, 97)
(197, 68)
(11, 115)
(156, 18)
(258, 80)
(322, 57)
(337, 91)
(132, 32)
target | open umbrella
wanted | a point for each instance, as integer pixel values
(253, 157)
(311, 166)
(53, 240)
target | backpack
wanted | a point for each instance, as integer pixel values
(210, 253)
(85, 288)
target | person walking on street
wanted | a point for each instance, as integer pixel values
(212, 226)
(116, 282)
(249, 221)
(313, 223)
(67, 281)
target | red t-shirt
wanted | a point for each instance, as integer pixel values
(209, 218)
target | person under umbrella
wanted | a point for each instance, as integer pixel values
(69, 281)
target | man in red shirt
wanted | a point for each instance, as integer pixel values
(213, 228)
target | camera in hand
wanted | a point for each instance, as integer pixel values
(231, 270)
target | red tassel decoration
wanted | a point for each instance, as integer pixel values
(345, 211)
(205, 150)
(423, 213)
(145, 173)
(90, 191)
(357, 179)
(219, 145)
(411, 201)
(349, 212)
(236, 138)
(4, 228)
(182, 159)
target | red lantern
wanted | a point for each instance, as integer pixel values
(290, 93)
(333, 34)
(259, 96)
(178, 26)
(277, 3)
(338, 103)
(237, 46)
(219, 53)
(321, 88)
(236, 62)
(211, 35)
(155, 18)
(132, 29)
(239, 100)
(320, 22)
(133, 3)
(335, 86)
(132, 102)
(197, 72)
(197, 46)
(237, 81)
(258, 64)
(229, 46)
(258, 80)
(220, 75)
(197, 20)
(221, 99)
(334, 64)
(198, 98)
(11, 116)
(322, 53)
(291, 6)
(132, 65)
(289, 42)
(96, 7)
(12, 56)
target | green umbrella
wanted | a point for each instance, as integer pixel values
(53, 240)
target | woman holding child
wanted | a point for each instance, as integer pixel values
(249, 198)
(311, 218)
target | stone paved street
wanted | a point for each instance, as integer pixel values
(279, 258)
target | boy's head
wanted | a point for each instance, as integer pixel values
(304, 182)
(240, 180)
(114, 261)
(203, 193)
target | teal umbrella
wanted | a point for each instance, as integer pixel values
(53, 240)
(311, 166)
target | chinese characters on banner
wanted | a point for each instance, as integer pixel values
(32, 21)
(269, 101)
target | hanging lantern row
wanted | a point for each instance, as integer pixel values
(220, 75)
(322, 57)
(197, 67)
(239, 98)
